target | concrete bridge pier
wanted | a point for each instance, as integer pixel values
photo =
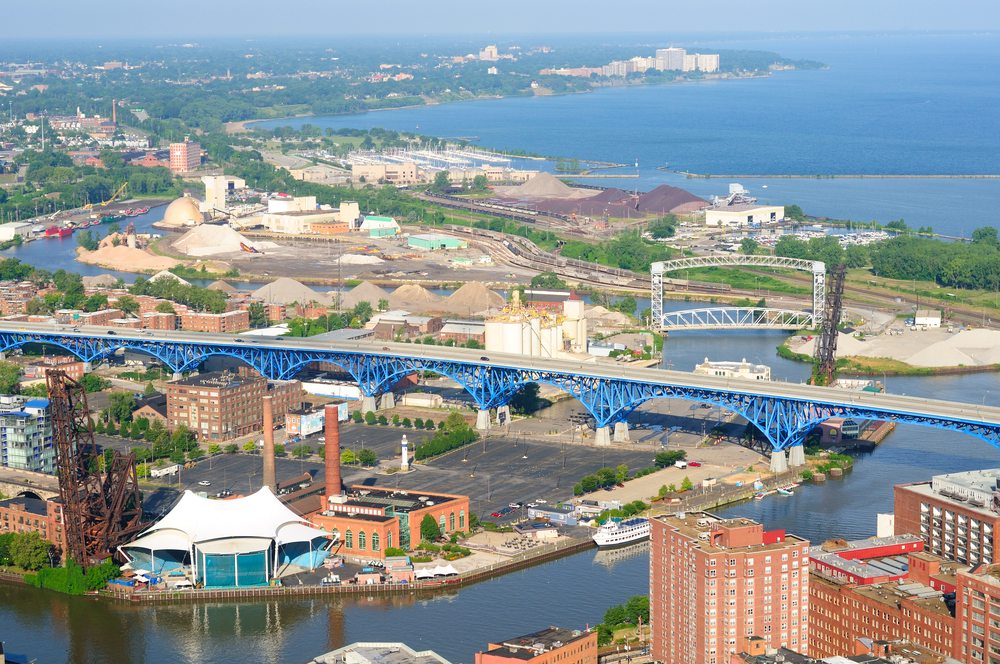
(483, 419)
(796, 456)
(87, 367)
(177, 375)
(779, 463)
(503, 416)
(603, 437)
(369, 404)
(388, 401)
(621, 432)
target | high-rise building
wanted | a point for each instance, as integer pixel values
(670, 59)
(707, 62)
(26, 434)
(490, 53)
(713, 582)
(956, 515)
(185, 157)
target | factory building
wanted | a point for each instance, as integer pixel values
(377, 226)
(217, 188)
(435, 241)
(538, 332)
(744, 214)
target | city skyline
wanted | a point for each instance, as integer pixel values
(187, 18)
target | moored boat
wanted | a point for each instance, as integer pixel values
(619, 533)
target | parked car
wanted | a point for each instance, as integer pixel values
(532, 504)
(204, 483)
(496, 515)
(694, 464)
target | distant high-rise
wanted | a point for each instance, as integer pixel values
(490, 53)
(707, 62)
(713, 582)
(670, 59)
(185, 157)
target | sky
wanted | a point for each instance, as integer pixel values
(288, 18)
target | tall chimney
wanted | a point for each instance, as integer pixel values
(114, 111)
(331, 428)
(269, 480)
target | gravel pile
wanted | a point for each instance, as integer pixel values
(127, 259)
(666, 199)
(415, 298)
(212, 240)
(472, 298)
(288, 291)
(366, 291)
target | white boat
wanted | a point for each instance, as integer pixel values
(619, 533)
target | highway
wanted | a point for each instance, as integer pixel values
(890, 403)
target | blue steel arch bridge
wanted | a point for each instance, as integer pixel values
(783, 412)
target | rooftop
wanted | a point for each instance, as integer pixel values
(531, 645)
(973, 490)
(218, 379)
(30, 505)
(701, 525)
(379, 653)
(399, 499)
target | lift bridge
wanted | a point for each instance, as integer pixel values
(736, 318)
(784, 413)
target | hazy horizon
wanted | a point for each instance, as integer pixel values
(102, 19)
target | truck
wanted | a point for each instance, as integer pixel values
(681, 464)
(166, 470)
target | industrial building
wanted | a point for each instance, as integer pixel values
(715, 581)
(537, 332)
(953, 514)
(26, 434)
(237, 542)
(435, 241)
(744, 214)
(552, 645)
(927, 318)
(217, 189)
(222, 405)
(377, 226)
(741, 369)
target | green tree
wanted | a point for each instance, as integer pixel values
(407, 423)
(383, 304)
(149, 390)
(279, 450)
(302, 452)
(249, 446)
(10, 377)
(29, 551)
(749, 246)
(128, 304)
(121, 406)
(214, 448)
(347, 455)
(441, 182)
(430, 531)
(663, 227)
(370, 418)
(258, 315)
(357, 417)
(480, 183)
(686, 484)
(621, 473)
(548, 280)
(526, 400)
(165, 307)
(383, 420)
(231, 448)
(367, 457)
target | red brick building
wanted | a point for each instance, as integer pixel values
(41, 368)
(553, 645)
(977, 615)
(222, 405)
(15, 295)
(715, 581)
(156, 320)
(45, 517)
(229, 322)
(952, 514)
(185, 157)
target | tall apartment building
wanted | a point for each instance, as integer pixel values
(883, 588)
(185, 157)
(670, 59)
(229, 322)
(956, 515)
(26, 434)
(713, 582)
(222, 405)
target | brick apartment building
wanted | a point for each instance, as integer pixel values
(553, 645)
(222, 405)
(977, 615)
(157, 320)
(953, 514)
(185, 157)
(23, 514)
(229, 322)
(713, 582)
(885, 588)
(40, 368)
(15, 295)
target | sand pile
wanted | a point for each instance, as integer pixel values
(126, 259)
(473, 298)
(222, 286)
(359, 259)
(169, 276)
(212, 240)
(100, 281)
(544, 185)
(414, 298)
(366, 291)
(603, 316)
(288, 291)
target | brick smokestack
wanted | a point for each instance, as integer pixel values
(269, 479)
(331, 428)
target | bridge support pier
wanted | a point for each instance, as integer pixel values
(483, 419)
(369, 404)
(177, 375)
(503, 416)
(796, 456)
(621, 432)
(603, 437)
(388, 401)
(779, 463)
(87, 367)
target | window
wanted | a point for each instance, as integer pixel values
(388, 540)
(441, 523)
(461, 519)
(349, 539)
(362, 545)
(374, 541)
(451, 522)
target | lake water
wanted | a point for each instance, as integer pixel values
(888, 104)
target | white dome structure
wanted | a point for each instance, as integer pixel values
(182, 212)
(237, 542)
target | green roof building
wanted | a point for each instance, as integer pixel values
(435, 241)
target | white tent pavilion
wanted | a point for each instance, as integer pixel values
(235, 542)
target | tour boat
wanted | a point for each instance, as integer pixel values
(619, 533)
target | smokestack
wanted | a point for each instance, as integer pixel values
(331, 428)
(114, 111)
(269, 480)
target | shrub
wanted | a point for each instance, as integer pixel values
(394, 551)
(370, 418)
(383, 421)
(407, 423)
(421, 559)
(419, 423)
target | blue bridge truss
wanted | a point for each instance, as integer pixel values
(784, 421)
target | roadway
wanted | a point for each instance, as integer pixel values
(889, 403)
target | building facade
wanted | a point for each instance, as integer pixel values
(715, 581)
(185, 157)
(26, 434)
(229, 322)
(553, 645)
(953, 514)
(23, 515)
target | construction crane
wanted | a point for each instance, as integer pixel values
(825, 369)
(101, 510)
(111, 200)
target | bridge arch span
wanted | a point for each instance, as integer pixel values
(661, 268)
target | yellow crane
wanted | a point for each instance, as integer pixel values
(111, 200)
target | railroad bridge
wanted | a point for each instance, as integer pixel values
(784, 413)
